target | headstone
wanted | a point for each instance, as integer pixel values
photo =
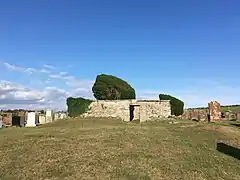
(7, 119)
(56, 116)
(195, 115)
(238, 116)
(31, 119)
(63, 115)
(49, 116)
(214, 111)
(42, 119)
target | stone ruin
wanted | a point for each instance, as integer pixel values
(129, 110)
(211, 114)
(214, 111)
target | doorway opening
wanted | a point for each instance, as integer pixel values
(134, 112)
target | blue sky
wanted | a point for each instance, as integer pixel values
(51, 49)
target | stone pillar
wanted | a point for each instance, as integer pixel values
(214, 111)
(238, 116)
(49, 116)
(31, 119)
(42, 119)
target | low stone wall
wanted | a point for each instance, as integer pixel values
(128, 110)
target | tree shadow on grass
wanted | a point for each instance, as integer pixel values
(228, 150)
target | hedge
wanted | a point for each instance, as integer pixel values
(177, 106)
(77, 106)
(108, 87)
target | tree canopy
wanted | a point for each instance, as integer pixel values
(177, 106)
(77, 106)
(108, 87)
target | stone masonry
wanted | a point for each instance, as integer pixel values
(129, 110)
(214, 111)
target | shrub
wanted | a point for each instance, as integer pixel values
(107, 87)
(177, 106)
(77, 106)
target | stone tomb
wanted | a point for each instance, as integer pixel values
(31, 119)
(129, 110)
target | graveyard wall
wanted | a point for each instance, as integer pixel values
(121, 109)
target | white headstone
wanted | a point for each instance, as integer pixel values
(42, 119)
(49, 116)
(56, 116)
(61, 116)
(31, 119)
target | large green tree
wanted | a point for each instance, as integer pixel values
(177, 106)
(77, 106)
(108, 87)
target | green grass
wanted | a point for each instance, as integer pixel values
(234, 109)
(110, 149)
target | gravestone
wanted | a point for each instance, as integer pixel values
(42, 119)
(31, 119)
(49, 116)
(195, 115)
(63, 115)
(214, 111)
(238, 116)
(56, 116)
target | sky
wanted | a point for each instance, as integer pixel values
(54, 49)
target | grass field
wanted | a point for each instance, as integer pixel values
(102, 149)
(233, 109)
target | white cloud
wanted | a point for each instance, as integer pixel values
(45, 71)
(79, 85)
(63, 73)
(18, 68)
(15, 95)
(48, 66)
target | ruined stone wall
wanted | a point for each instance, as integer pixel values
(121, 109)
(116, 109)
(154, 109)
